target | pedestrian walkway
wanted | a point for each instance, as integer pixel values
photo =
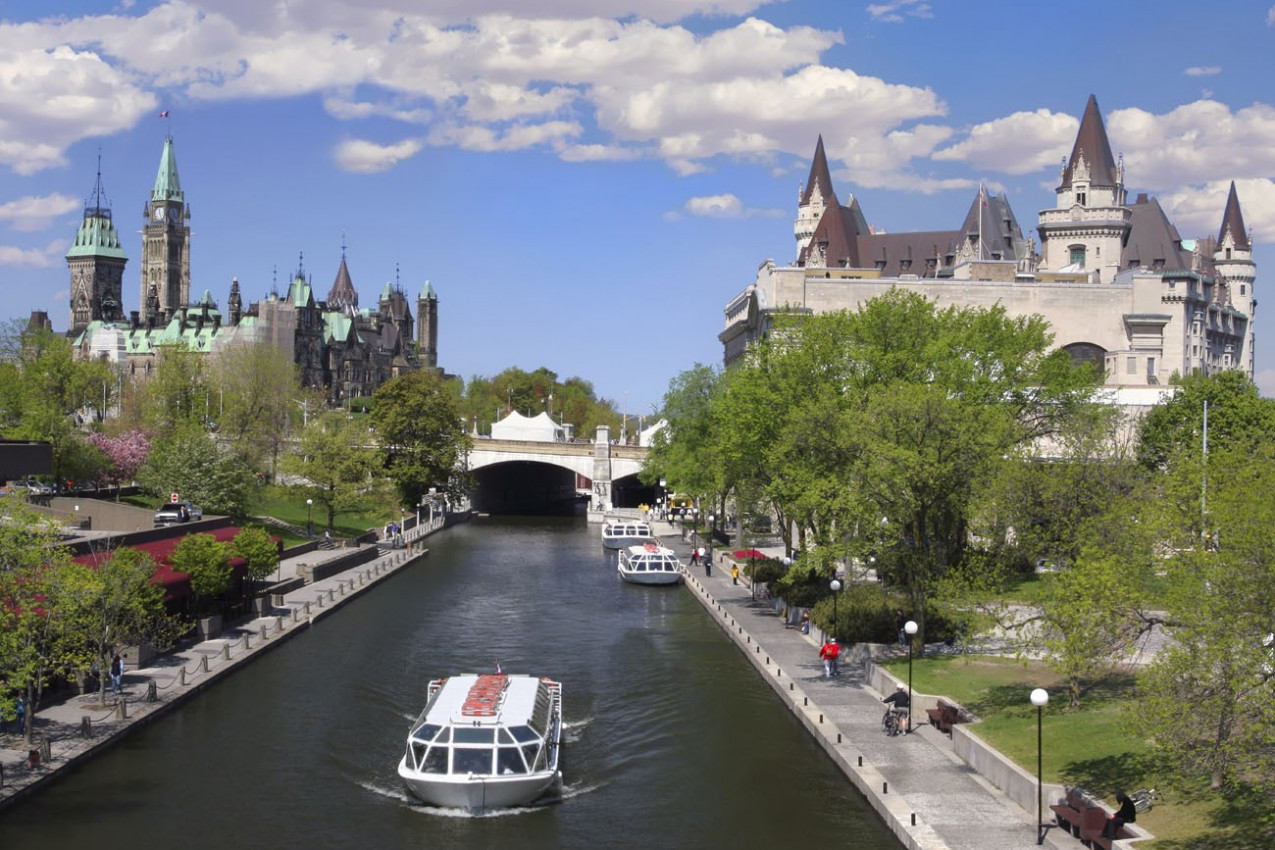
(71, 731)
(926, 795)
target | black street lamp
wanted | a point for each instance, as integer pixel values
(835, 586)
(1039, 697)
(309, 524)
(910, 627)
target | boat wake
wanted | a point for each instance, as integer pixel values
(399, 794)
(573, 729)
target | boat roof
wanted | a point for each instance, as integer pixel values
(648, 549)
(473, 699)
(613, 523)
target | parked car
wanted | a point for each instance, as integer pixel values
(172, 513)
(39, 488)
(196, 514)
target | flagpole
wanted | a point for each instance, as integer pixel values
(980, 220)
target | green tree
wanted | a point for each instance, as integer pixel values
(112, 604)
(685, 452)
(1208, 699)
(252, 391)
(1236, 413)
(206, 562)
(33, 638)
(190, 462)
(176, 396)
(417, 422)
(258, 549)
(340, 468)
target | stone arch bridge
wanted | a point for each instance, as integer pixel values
(521, 475)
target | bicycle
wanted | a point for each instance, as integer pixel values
(1144, 799)
(893, 723)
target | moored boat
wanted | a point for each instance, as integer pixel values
(485, 741)
(620, 533)
(649, 563)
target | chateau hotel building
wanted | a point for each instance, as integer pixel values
(1111, 274)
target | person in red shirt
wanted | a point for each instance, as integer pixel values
(829, 653)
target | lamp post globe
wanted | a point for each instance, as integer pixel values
(1039, 698)
(835, 587)
(910, 628)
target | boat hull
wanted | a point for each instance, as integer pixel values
(625, 542)
(650, 577)
(476, 792)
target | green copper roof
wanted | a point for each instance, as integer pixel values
(167, 186)
(97, 238)
(428, 292)
(387, 291)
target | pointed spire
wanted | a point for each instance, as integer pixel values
(427, 292)
(343, 295)
(167, 185)
(819, 176)
(1233, 221)
(1092, 143)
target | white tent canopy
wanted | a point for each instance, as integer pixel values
(540, 428)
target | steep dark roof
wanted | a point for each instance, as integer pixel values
(1002, 237)
(1233, 221)
(820, 176)
(1092, 141)
(921, 254)
(838, 233)
(343, 294)
(1153, 241)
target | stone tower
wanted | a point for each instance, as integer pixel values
(1233, 262)
(165, 244)
(427, 327)
(1090, 222)
(813, 199)
(96, 262)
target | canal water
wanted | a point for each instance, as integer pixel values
(672, 739)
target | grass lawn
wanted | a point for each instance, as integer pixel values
(279, 503)
(1087, 746)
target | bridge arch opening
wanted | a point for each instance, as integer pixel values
(525, 487)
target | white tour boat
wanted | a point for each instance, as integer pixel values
(649, 564)
(619, 533)
(485, 741)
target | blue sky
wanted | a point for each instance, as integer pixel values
(586, 183)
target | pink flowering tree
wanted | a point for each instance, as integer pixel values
(126, 453)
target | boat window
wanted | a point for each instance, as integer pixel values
(473, 735)
(415, 752)
(509, 761)
(529, 753)
(524, 733)
(436, 761)
(504, 737)
(426, 732)
(467, 760)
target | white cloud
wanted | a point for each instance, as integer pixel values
(33, 213)
(598, 153)
(1265, 378)
(718, 206)
(1016, 144)
(47, 257)
(1270, 17)
(366, 157)
(1197, 209)
(1203, 71)
(894, 11)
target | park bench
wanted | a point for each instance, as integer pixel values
(944, 716)
(1083, 816)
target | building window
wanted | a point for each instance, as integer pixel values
(1150, 366)
(1080, 197)
(1131, 365)
(1078, 256)
(1241, 289)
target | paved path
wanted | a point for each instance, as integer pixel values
(77, 728)
(905, 776)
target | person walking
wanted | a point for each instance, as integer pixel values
(706, 558)
(805, 622)
(695, 556)
(117, 673)
(900, 626)
(734, 574)
(829, 652)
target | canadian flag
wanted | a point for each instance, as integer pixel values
(164, 114)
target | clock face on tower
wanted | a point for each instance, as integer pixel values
(158, 213)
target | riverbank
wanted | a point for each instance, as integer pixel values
(927, 795)
(70, 732)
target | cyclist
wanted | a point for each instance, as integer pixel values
(896, 716)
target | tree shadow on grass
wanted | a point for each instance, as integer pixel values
(1106, 775)
(1012, 697)
(1243, 821)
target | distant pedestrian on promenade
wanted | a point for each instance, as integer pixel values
(805, 622)
(900, 626)
(327, 536)
(734, 574)
(706, 558)
(21, 709)
(695, 556)
(829, 652)
(117, 673)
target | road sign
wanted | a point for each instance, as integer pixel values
(172, 497)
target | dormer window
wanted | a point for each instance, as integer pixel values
(1081, 195)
